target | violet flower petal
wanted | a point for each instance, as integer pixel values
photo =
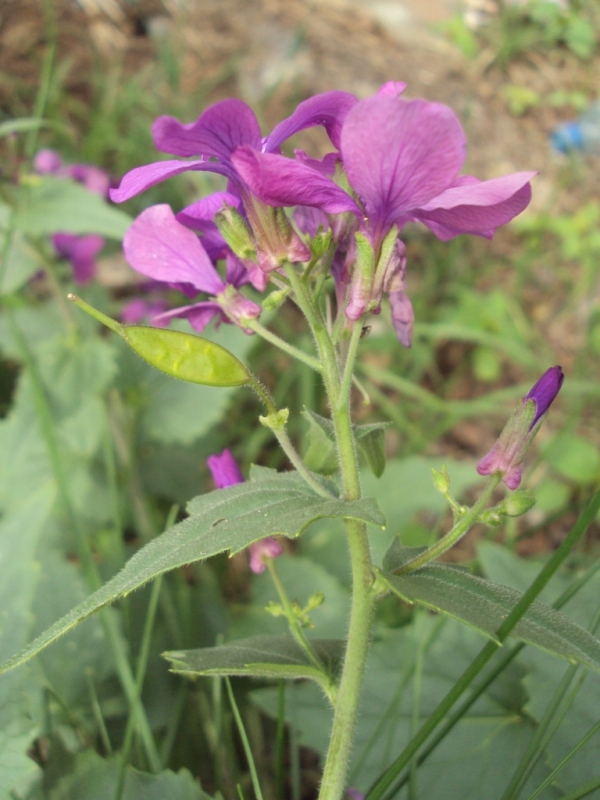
(236, 273)
(198, 315)
(47, 162)
(403, 317)
(281, 181)
(216, 133)
(400, 154)
(329, 109)
(392, 89)
(545, 390)
(267, 547)
(479, 207)
(139, 179)
(200, 215)
(161, 248)
(224, 469)
(81, 251)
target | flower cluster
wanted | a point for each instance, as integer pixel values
(393, 161)
(80, 251)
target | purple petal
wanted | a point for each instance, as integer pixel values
(236, 273)
(224, 469)
(400, 154)
(326, 165)
(138, 309)
(216, 133)
(92, 177)
(161, 248)
(47, 162)
(478, 207)
(267, 547)
(198, 315)
(392, 89)
(545, 390)
(200, 214)
(142, 178)
(281, 181)
(81, 251)
(328, 109)
(403, 317)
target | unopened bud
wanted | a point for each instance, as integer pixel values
(441, 480)
(506, 456)
(236, 232)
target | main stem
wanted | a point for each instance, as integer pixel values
(346, 708)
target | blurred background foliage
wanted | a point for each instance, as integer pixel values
(96, 447)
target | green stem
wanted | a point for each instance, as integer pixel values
(275, 422)
(458, 531)
(488, 651)
(350, 361)
(295, 352)
(296, 629)
(245, 741)
(344, 720)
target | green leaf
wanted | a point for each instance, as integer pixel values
(54, 205)
(321, 454)
(399, 693)
(97, 779)
(23, 125)
(484, 605)
(260, 657)
(226, 519)
(22, 261)
(20, 533)
(398, 555)
(573, 457)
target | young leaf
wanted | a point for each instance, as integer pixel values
(484, 605)
(278, 657)
(226, 519)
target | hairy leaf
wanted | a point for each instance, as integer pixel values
(260, 657)
(226, 519)
(484, 605)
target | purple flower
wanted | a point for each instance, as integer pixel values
(402, 160)
(506, 456)
(81, 251)
(140, 310)
(214, 137)
(226, 472)
(159, 246)
(49, 162)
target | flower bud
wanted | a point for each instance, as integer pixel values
(361, 285)
(506, 456)
(234, 229)
(238, 307)
(275, 241)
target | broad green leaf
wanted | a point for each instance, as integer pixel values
(54, 205)
(95, 778)
(20, 533)
(484, 605)
(21, 260)
(471, 762)
(398, 555)
(573, 457)
(260, 657)
(227, 519)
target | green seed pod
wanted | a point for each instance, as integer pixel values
(186, 356)
(181, 355)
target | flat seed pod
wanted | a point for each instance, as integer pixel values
(186, 356)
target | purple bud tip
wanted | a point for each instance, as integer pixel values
(544, 391)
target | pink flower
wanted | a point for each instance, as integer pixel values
(226, 472)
